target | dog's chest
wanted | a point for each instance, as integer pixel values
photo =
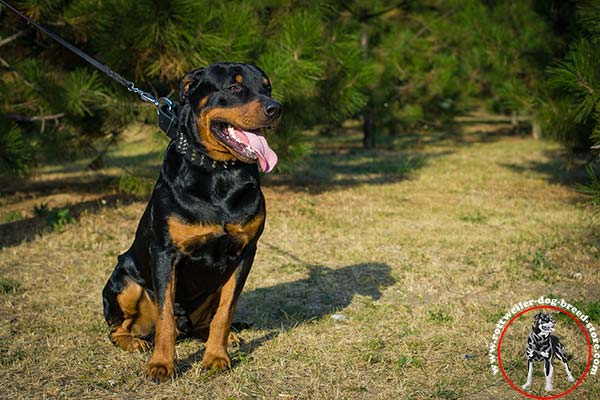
(196, 238)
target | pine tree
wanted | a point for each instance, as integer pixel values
(57, 100)
(573, 102)
(540, 57)
(422, 80)
(574, 85)
(416, 73)
(396, 65)
(505, 47)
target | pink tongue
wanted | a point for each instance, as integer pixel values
(266, 156)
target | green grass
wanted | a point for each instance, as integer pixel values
(8, 286)
(11, 216)
(421, 247)
(439, 316)
(134, 185)
(475, 218)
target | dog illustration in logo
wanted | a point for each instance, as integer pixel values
(543, 346)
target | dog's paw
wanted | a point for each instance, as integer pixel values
(159, 372)
(234, 339)
(140, 345)
(570, 378)
(218, 361)
(548, 388)
(526, 386)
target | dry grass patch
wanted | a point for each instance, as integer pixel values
(376, 278)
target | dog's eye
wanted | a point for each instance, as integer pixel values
(235, 88)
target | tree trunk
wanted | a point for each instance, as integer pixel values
(369, 135)
(536, 129)
(514, 121)
(368, 123)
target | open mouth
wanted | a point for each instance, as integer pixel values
(247, 145)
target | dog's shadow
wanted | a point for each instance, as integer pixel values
(284, 306)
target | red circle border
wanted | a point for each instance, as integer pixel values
(587, 367)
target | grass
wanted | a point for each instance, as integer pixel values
(420, 248)
(8, 286)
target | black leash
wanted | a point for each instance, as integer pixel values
(165, 108)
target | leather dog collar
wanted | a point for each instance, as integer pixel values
(198, 156)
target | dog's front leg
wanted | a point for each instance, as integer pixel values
(215, 355)
(549, 371)
(162, 363)
(527, 384)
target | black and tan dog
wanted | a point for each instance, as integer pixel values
(543, 346)
(196, 240)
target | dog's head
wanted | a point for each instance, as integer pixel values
(233, 109)
(543, 324)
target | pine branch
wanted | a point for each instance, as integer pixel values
(27, 118)
(4, 63)
(364, 17)
(385, 10)
(582, 82)
(12, 38)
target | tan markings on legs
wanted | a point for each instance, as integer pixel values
(129, 297)
(139, 313)
(233, 339)
(184, 235)
(215, 355)
(201, 316)
(146, 317)
(162, 363)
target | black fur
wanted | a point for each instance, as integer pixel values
(209, 193)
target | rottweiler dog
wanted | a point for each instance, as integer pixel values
(195, 243)
(543, 346)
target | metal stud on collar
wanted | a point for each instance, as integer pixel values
(182, 148)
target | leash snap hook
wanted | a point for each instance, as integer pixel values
(149, 98)
(145, 96)
(162, 102)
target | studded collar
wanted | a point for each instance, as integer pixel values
(197, 156)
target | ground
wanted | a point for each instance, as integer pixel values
(380, 275)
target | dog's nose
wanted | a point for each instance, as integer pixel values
(272, 109)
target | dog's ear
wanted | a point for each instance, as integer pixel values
(538, 316)
(189, 83)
